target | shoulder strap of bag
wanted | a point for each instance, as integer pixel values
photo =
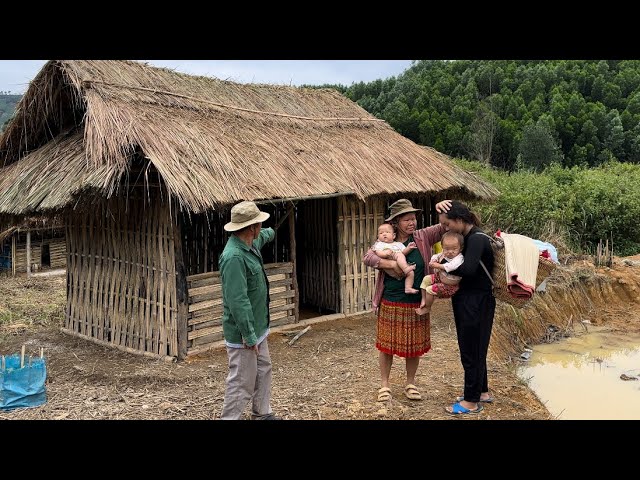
(482, 263)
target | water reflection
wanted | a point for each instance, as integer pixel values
(579, 378)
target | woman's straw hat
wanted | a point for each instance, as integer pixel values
(400, 207)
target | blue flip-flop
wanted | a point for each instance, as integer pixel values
(458, 409)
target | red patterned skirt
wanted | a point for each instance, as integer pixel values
(401, 331)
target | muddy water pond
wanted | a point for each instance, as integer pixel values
(594, 376)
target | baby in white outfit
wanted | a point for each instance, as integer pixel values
(387, 248)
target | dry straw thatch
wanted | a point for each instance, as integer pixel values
(212, 142)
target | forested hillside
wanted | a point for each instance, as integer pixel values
(514, 113)
(8, 104)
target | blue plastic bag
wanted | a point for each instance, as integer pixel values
(542, 246)
(22, 386)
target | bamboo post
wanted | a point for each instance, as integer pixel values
(28, 253)
(182, 293)
(302, 332)
(294, 276)
(13, 253)
(22, 355)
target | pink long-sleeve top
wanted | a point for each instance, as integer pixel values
(424, 238)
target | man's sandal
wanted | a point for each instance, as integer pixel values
(412, 392)
(384, 394)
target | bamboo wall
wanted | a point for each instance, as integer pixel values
(121, 275)
(58, 253)
(21, 257)
(204, 239)
(357, 230)
(204, 324)
(317, 243)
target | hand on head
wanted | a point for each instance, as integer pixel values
(443, 206)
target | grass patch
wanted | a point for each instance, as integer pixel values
(26, 303)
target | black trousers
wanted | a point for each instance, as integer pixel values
(473, 313)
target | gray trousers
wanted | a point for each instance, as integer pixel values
(249, 377)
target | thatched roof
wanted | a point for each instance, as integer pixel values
(212, 142)
(28, 223)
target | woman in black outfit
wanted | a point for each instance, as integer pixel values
(473, 306)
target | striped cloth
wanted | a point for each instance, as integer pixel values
(401, 331)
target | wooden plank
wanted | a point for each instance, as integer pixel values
(283, 321)
(203, 332)
(288, 306)
(203, 276)
(205, 321)
(206, 290)
(284, 294)
(202, 305)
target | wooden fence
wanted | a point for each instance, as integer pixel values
(204, 325)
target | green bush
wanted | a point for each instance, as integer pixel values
(581, 205)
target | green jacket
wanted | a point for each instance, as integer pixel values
(245, 289)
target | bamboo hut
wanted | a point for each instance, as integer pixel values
(32, 245)
(145, 163)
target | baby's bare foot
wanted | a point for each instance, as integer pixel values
(422, 310)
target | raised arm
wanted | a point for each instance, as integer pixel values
(266, 235)
(407, 250)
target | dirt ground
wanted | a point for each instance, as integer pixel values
(330, 372)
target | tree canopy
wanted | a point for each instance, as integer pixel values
(585, 112)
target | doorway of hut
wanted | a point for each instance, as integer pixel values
(45, 256)
(316, 237)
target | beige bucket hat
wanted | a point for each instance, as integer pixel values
(244, 214)
(400, 207)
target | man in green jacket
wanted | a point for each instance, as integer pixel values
(245, 317)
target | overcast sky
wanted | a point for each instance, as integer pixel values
(15, 75)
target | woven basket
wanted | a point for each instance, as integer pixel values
(545, 267)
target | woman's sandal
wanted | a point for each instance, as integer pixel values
(412, 392)
(384, 394)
